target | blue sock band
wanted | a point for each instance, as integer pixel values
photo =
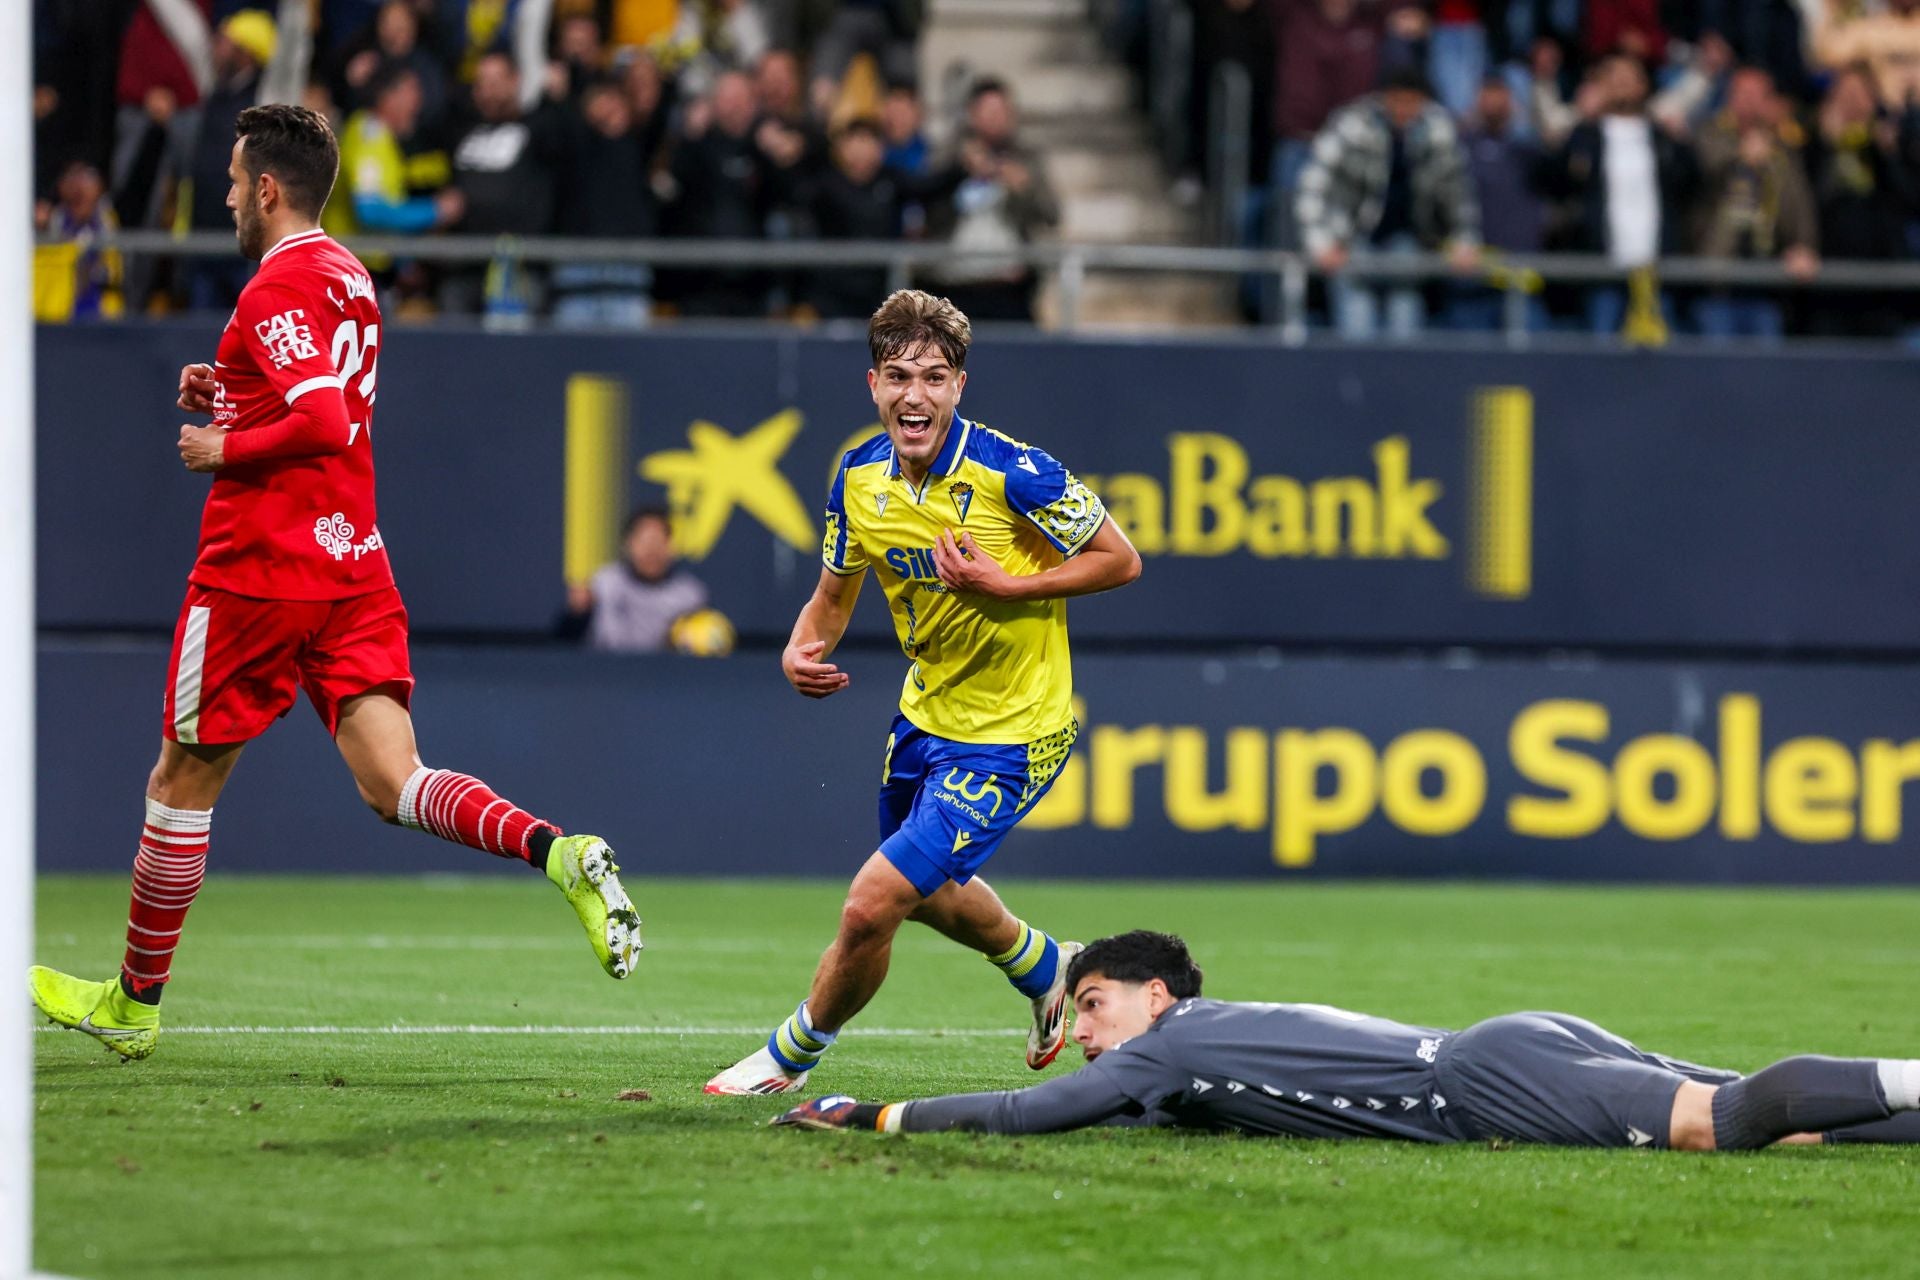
(796, 1044)
(1034, 967)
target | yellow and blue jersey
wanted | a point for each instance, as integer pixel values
(984, 671)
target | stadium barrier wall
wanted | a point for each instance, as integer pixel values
(1325, 495)
(1222, 767)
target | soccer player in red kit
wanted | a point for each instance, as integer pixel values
(291, 590)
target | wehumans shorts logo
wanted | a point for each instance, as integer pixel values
(335, 535)
(963, 793)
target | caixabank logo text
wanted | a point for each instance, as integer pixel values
(1204, 496)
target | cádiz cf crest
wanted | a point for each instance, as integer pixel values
(962, 494)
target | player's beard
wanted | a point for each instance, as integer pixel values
(251, 230)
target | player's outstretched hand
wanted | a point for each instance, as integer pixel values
(197, 388)
(805, 671)
(835, 1112)
(203, 448)
(963, 566)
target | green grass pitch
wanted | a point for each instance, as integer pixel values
(332, 1151)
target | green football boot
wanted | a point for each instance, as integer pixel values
(101, 1009)
(583, 868)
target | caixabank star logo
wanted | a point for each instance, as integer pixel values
(719, 471)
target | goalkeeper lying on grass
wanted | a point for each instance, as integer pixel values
(1159, 1054)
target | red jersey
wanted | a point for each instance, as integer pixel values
(291, 514)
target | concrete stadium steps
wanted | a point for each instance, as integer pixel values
(1145, 302)
(1079, 108)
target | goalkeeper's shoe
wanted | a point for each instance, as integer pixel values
(834, 1112)
(757, 1074)
(1048, 1034)
(101, 1009)
(584, 869)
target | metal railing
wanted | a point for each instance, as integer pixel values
(1517, 277)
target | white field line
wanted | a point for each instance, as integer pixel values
(919, 942)
(561, 941)
(536, 1029)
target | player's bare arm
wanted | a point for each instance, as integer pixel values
(1107, 561)
(822, 621)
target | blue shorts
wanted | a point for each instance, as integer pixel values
(945, 805)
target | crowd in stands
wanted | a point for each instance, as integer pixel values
(602, 119)
(1759, 131)
(1769, 131)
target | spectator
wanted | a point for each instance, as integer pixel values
(1327, 52)
(392, 41)
(242, 47)
(74, 87)
(858, 198)
(794, 146)
(1865, 191)
(714, 36)
(1631, 27)
(886, 30)
(908, 153)
(994, 197)
(1769, 34)
(1754, 205)
(505, 166)
(164, 70)
(630, 605)
(1457, 52)
(778, 88)
(1629, 181)
(649, 98)
(78, 278)
(902, 120)
(1887, 42)
(1698, 85)
(1387, 176)
(374, 192)
(1241, 33)
(608, 195)
(723, 188)
(1554, 117)
(1509, 173)
(580, 58)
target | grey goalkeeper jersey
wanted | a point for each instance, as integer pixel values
(1302, 1070)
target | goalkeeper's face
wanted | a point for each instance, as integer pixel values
(917, 392)
(1107, 1012)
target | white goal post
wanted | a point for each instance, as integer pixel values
(16, 636)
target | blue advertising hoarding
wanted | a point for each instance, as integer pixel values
(1244, 766)
(1317, 496)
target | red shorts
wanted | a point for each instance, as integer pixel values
(238, 662)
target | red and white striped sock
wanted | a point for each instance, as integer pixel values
(466, 811)
(166, 875)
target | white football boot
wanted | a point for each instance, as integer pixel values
(760, 1075)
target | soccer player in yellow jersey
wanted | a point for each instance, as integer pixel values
(977, 540)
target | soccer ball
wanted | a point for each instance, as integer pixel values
(704, 633)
